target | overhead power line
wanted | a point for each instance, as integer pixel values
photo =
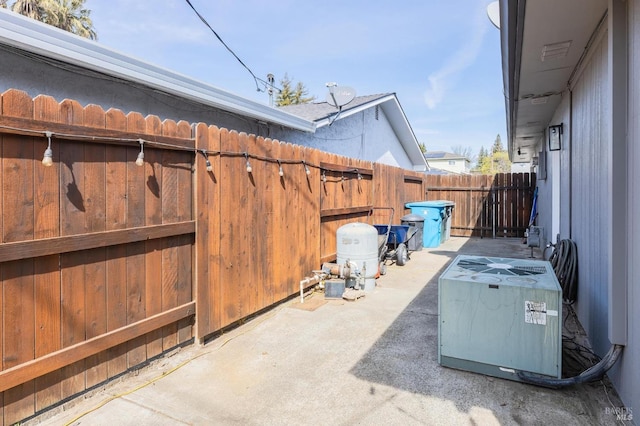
(255, 79)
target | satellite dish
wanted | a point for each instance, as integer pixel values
(493, 11)
(339, 95)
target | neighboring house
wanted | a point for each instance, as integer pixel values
(448, 161)
(372, 128)
(572, 89)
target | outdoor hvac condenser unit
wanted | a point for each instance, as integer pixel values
(500, 316)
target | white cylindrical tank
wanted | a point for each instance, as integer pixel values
(358, 243)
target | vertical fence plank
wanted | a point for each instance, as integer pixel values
(95, 267)
(116, 218)
(207, 233)
(185, 201)
(47, 275)
(310, 204)
(233, 180)
(265, 205)
(154, 193)
(252, 227)
(278, 223)
(169, 267)
(72, 208)
(136, 216)
(289, 246)
(17, 277)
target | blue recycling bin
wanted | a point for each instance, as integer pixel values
(434, 213)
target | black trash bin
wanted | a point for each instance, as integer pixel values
(416, 221)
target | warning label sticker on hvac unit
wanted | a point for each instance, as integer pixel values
(535, 312)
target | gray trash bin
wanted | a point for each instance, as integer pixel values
(447, 212)
(416, 221)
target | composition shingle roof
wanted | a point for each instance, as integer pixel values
(315, 111)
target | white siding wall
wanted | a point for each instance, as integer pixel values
(590, 221)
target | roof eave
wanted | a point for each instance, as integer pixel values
(35, 37)
(511, 30)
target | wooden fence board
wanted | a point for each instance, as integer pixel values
(207, 272)
(185, 212)
(169, 258)
(154, 194)
(136, 270)
(232, 214)
(116, 219)
(95, 279)
(47, 277)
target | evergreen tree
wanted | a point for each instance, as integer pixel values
(497, 145)
(290, 96)
(495, 162)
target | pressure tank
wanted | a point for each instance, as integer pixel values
(358, 243)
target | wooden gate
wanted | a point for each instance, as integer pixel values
(486, 205)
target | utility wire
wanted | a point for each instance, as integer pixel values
(256, 79)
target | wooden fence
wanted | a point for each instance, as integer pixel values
(105, 264)
(485, 205)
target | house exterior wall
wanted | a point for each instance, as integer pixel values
(590, 221)
(580, 181)
(588, 217)
(458, 166)
(626, 375)
(35, 76)
(366, 135)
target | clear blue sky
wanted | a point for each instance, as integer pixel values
(441, 57)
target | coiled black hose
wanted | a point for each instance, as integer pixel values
(564, 260)
(589, 375)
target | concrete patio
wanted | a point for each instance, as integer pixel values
(368, 362)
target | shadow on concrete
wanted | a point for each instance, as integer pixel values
(405, 357)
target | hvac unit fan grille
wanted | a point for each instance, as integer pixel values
(500, 267)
